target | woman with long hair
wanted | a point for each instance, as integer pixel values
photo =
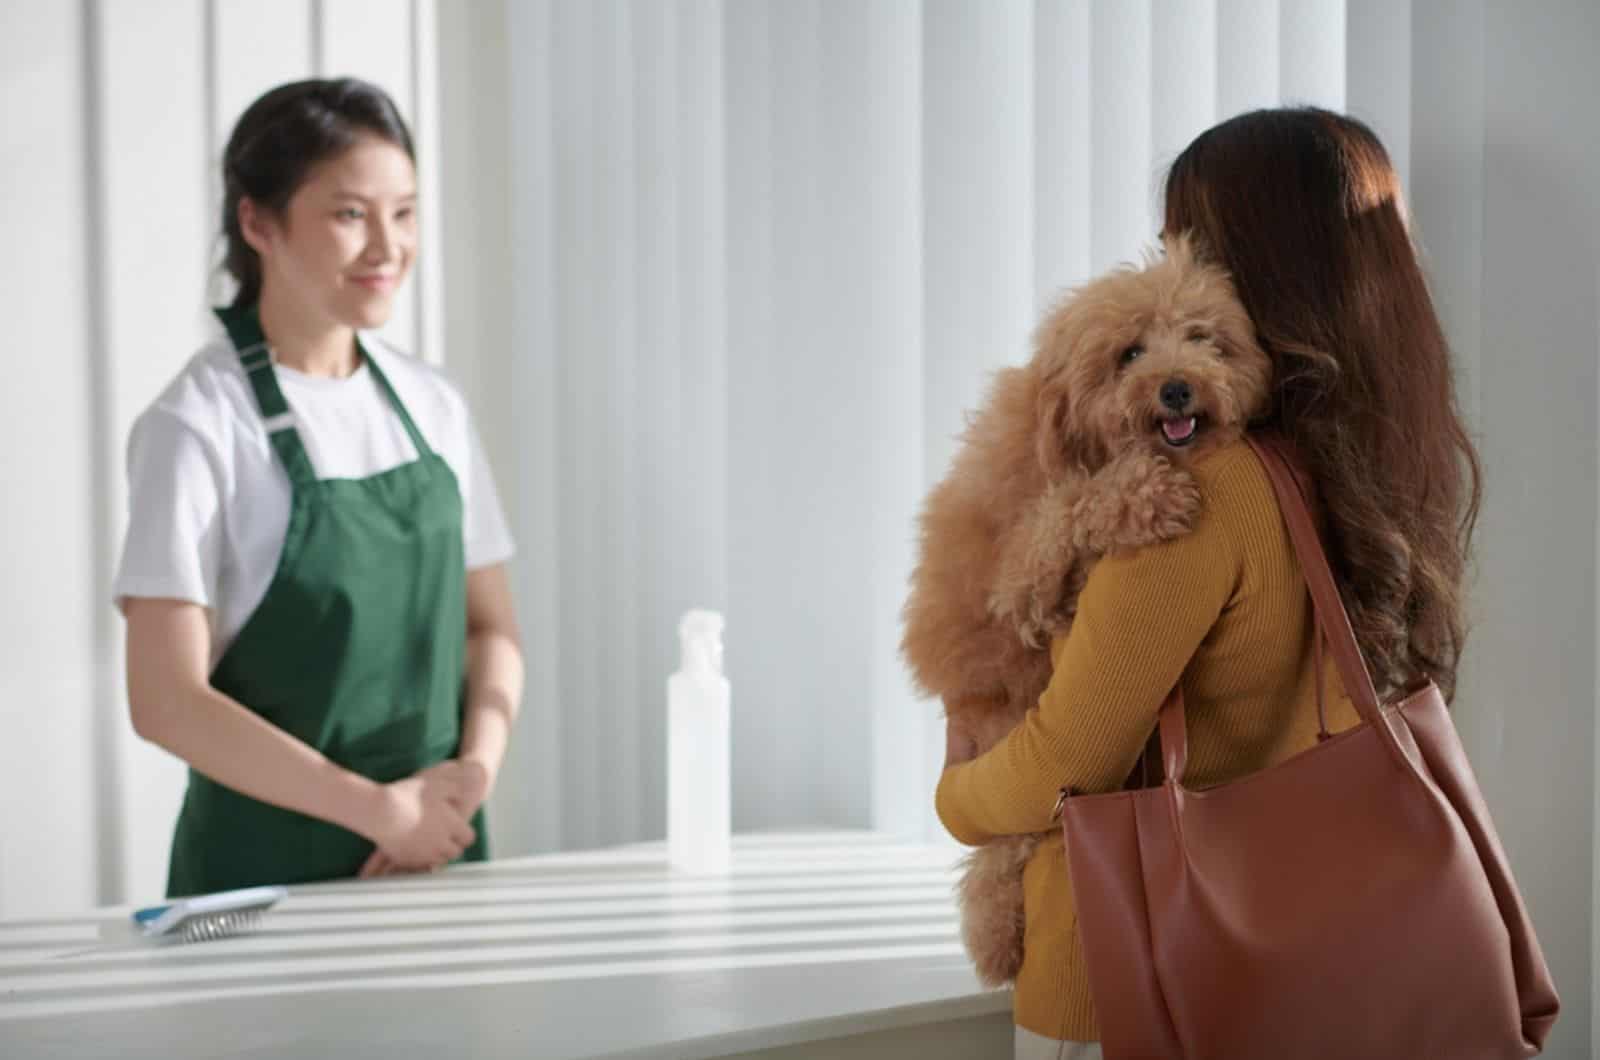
(1304, 209)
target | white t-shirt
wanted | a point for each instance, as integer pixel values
(209, 501)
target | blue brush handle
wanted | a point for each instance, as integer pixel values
(144, 916)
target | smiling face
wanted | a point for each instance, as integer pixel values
(1163, 357)
(347, 238)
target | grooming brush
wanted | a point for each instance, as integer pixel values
(208, 916)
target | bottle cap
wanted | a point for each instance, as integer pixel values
(700, 642)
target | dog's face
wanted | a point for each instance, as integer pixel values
(1163, 357)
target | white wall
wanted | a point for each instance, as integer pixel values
(115, 118)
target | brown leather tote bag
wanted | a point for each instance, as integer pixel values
(1352, 902)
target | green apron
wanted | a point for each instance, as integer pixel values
(357, 649)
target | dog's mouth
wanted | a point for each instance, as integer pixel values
(1180, 431)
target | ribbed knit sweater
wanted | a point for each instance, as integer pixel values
(1224, 607)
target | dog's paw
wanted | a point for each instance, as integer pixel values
(1039, 571)
(1051, 607)
(1035, 631)
(1138, 499)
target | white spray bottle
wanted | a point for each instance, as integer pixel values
(698, 781)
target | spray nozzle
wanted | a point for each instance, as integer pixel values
(700, 642)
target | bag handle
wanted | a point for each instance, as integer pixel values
(1332, 620)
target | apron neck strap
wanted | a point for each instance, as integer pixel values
(243, 324)
(417, 440)
(244, 331)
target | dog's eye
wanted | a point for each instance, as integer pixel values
(1131, 354)
(1199, 335)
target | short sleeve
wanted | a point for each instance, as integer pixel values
(487, 540)
(173, 545)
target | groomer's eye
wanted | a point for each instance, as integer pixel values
(1129, 355)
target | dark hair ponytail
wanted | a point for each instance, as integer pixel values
(276, 142)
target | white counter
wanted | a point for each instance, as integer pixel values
(821, 944)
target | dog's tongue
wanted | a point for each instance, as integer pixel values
(1178, 430)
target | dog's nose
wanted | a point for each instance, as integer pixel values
(1175, 394)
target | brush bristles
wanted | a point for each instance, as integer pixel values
(220, 925)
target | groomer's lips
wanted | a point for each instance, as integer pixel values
(376, 282)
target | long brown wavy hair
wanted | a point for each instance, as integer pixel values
(1303, 207)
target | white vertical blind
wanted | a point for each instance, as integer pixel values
(1312, 54)
(752, 483)
(1120, 144)
(977, 213)
(1247, 46)
(1184, 85)
(422, 114)
(537, 786)
(657, 279)
(873, 307)
(152, 188)
(253, 47)
(372, 39)
(977, 125)
(881, 330)
(55, 496)
(1446, 83)
(1061, 133)
(1381, 75)
(1536, 378)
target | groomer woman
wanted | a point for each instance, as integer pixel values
(314, 574)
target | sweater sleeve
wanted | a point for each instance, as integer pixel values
(1141, 616)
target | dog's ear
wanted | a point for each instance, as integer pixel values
(1062, 445)
(1050, 427)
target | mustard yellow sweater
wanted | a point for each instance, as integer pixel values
(1225, 608)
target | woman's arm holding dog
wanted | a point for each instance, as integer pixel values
(1139, 620)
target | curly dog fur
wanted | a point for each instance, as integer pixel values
(1076, 454)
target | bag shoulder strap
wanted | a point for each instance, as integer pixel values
(1291, 487)
(1333, 621)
